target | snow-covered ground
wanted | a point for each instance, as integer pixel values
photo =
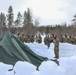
(67, 61)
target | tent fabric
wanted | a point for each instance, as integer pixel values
(13, 50)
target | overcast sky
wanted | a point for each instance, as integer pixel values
(48, 11)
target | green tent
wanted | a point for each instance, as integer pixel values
(13, 50)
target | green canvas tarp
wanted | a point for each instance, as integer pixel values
(13, 50)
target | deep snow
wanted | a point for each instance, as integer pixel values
(67, 61)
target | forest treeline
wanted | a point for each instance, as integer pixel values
(25, 24)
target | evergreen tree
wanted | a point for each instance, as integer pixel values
(25, 22)
(74, 20)
(29, 21)
(2, 22)
(18, 21)
(10, 17)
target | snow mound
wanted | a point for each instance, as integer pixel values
(24, 68)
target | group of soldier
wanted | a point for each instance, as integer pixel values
(63, 39)
(30, 38)
(48, 39)
(56, 39)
